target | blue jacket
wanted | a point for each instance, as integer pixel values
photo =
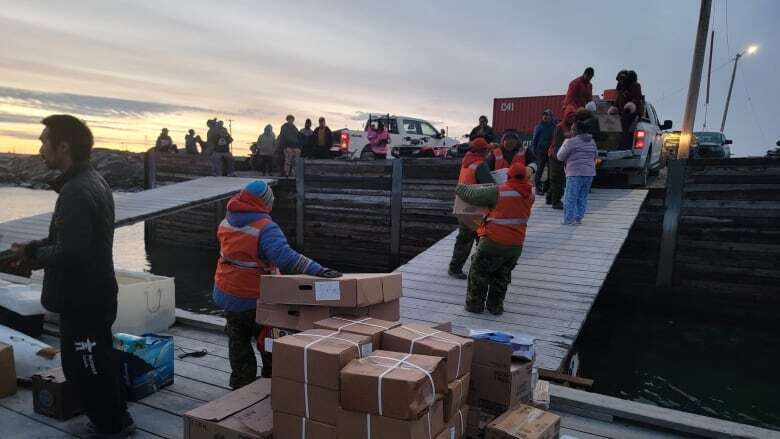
(543, 133)
(272, 247)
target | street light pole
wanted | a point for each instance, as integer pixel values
(731, 86)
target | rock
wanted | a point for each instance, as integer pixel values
(122, 170)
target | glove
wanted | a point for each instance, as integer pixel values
(328, 273)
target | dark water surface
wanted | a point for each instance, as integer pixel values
(632, 352)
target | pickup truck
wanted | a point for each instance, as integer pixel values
(637, 158)
(705, 144)
(409, 137)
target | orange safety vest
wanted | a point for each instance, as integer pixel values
(501, 163)
(468, 174)
(506, 223)
(239, 269)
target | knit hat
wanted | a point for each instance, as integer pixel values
(261, 190)
(478, 145)
(510, 134)
(517, 171)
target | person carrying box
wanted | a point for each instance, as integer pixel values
(251, 245)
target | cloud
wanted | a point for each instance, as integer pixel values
(96, 106)
(22, 135)
(18, 118)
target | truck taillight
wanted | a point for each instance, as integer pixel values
(639, 139)
(344, 141)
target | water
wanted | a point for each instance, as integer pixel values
(632, 352)
(192, 269)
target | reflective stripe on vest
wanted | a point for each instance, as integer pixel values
(237, 263)
(507, 221)
(468, 174)
(510, 194)
(499, 163)
(249, 230)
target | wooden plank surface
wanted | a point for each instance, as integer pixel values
(553, 286)
(134, 207)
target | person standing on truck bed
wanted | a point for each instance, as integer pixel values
(580, 90)
(556, 168)
(473, 170)
(290, 143)
(501, 237)
(252, 245)
(541, 141)
(629, 102)
(483, 130)
(79, 281)
(511, 152)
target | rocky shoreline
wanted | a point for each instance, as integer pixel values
(122, 170)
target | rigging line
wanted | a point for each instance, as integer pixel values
(726, 17)
(752, 109)
(677, 91)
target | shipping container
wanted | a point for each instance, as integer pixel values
(523, 113)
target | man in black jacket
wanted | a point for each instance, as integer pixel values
(483, 130)
(79, 281)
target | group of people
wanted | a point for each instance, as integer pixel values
(566, 149)
(217, 146)
(281, 152)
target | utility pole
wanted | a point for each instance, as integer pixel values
(728, 96)
(676, 177)
(709, 77)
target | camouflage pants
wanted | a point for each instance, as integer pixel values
(557, 179)
(463, 243)
(489, 277)
(241, 329)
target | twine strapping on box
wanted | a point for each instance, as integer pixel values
(303, 428)
(358, 322)
(402, 363)
(319, 338)
(462, 424)
(434, 335)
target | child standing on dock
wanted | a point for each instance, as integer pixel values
(251, 245)
(579, 155)
(501, 238)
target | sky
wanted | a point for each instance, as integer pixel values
(130, 68)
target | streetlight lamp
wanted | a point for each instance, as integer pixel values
(750, 51)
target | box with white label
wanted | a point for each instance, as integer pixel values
(350, 290)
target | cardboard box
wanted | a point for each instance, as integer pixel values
(424, 340)
(241, 414)
(293, 398)
(302, 317)
(541, 396)
(317, 356)
(7, 371)
(457, 395)
(366, 326)
(498, 390)
(456, 427)
(350, 290)
(524, 422)
(54, 396)
(358, 425)
(288, 426)
(468, 215)
(497, 355)
(392, 384)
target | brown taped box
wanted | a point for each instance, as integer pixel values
(350, 290)
(54, 396)
(301, 317)
(405, 387)
(357, 425)
(524, 422)
(493, 354)
(327, 352)
(457, 395)
(287, 426)
(241, 414)
(290, 397)
(7, 371)
(541, 396)
(467, 214)
(497, 390)
(367, 326)
(456, 427)
(424, 340)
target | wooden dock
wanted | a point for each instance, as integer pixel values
(199, 380)
(133, 207)
(553, 286)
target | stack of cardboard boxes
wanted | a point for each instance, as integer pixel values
(297, 302)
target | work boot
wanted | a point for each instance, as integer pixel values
(474, 308)
(548, 199)
(496, 310)
(457, 274)
(128, 427)
(557, 205)
(539, 191)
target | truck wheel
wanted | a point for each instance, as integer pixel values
(367, 154)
